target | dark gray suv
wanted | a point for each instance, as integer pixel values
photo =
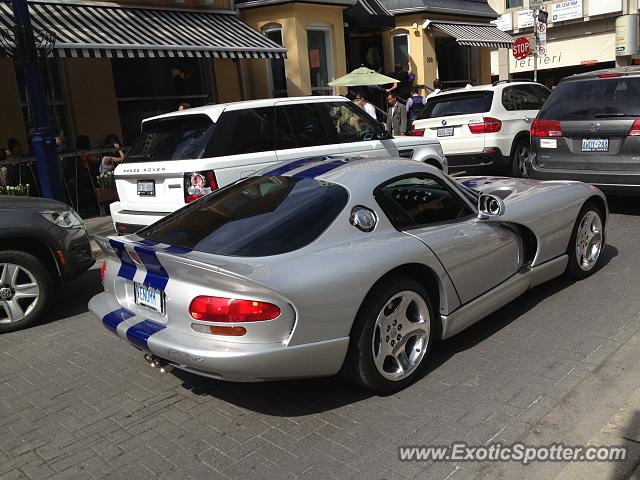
(589, 130)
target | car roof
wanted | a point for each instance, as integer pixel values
(215, 110)
(485, 88)
(630, 70)
(353, 172)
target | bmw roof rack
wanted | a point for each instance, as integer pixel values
(513, 80)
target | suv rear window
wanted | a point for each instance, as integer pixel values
(258, 216)
(177, 138)
(594, 98)
(457, 104)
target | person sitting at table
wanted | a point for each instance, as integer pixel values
(110, 162)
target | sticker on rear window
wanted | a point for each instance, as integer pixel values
(548, 143)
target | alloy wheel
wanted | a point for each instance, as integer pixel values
(589, 241)
(401, 335)
(522, 153)
(19, 292)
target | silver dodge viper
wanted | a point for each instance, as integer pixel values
(325, 265)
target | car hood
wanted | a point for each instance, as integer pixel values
(30, 204)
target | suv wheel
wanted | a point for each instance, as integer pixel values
(25, 290)
(521, 152)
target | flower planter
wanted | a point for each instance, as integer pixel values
(104, 195)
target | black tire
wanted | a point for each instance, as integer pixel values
(574, 270)
(519, 155)
(42, 279)
(359, 365)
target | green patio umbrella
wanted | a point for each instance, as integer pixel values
(361, 77)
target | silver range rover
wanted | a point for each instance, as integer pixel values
(589, 130)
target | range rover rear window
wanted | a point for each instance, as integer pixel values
(258, 216)
(183, 137)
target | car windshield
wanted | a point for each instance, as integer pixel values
(464, 103)
(595, 98)
(258, 216)
(182, 137)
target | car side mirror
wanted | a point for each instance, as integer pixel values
(382, 133)
(490, 206)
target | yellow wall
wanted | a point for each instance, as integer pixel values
(11, 122)
(227, 81)
(294, 19)
(92, 98)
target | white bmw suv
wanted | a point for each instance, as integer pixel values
(484, 125)
(184, 155)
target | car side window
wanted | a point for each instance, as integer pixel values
(307, 123)
(420, 200)
(535, 96)
(510, 99)
(230, 136)
(350, 123)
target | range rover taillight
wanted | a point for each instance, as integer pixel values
(199, 184)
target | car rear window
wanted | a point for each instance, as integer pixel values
(177, 138)
(594, 98)
(258, 216)
(457, 104)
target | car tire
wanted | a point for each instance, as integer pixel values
(24, 295)
(373, 356)
(519, 155)
(586, 243)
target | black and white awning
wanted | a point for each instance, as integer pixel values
(474, 34)
(106, 30)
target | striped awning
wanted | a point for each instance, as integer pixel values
(106, 30)
(475, 34)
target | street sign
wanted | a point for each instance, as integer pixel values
(535, 4)
(521, 48)
(542, 34)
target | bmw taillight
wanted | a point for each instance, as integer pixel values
(199, 184)
(545, 128)
(103, 271)
(486, 125)
(416, 132)
(635, 129)
(218, 309)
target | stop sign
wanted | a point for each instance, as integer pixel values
(521, 48)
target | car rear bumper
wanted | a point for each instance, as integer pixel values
(611, 181)
(130, 221)
(486, 158)
(239, 362)
(76, 253)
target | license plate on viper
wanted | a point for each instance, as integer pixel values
(595, 144)
(149, 297)
(445, 132)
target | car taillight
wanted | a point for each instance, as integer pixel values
(103, 271)
(545, 128)
(199, 184)
(218, 309)
(487, 125)
(416, 132)
(609, 75)
(635, 129)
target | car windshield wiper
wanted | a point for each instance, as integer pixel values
(617, 115)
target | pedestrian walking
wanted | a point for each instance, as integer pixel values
(437, 88)
(396, 116)
(415, 104)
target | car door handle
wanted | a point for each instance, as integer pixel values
(527, 119)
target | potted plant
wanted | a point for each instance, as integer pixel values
(106, 188)
(21, 190)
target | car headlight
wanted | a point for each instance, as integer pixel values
(65, 219)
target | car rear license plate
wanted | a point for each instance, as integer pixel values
(149, 297)
(595, 144)
(445, 132)
(146, 187)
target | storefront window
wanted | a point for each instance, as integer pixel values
(320, 65)
(401, 49)
(148, 87)
(454, 67)
(276, 66)
(514, 3)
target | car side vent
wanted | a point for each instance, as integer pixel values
(406, 153)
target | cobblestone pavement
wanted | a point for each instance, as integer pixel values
(77, 402)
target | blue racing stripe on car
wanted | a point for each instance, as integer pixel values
(318, 170)
(177, 249)
(151, 243)
(157, 277)
(139, 333)
(292, 166)
(115, 318)
(127, 267)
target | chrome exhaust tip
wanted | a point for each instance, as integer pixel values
(155, 362)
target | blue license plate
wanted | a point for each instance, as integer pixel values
(149, 297)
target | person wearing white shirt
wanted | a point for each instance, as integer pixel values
(437, 88)
(362, 102)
